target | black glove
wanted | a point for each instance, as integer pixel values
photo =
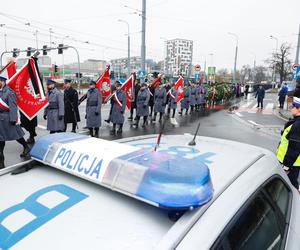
(60, 117)
(85, 116)
(13, 122)
(96, 113)
(122, 111)
(144, 106)
(45, 117)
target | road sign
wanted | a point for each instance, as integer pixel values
(298, 72)
(197, 67)
(294, 67)
(141, 74)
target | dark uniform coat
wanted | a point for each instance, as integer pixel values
(193, 93)
(160, 99)
(172, 98)
(260, 94)
(71, 105)
(185, 102)
(54, 110)
(151, 90)
(8, 131)
(142, 103)
(136, 91)
(117, 113)
(93, 107)
(201, 95)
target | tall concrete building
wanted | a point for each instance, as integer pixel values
(179, 56)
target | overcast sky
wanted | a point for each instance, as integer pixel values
(205, 22)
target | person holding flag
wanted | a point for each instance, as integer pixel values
(118, 105)
(9, 129)
(172, 104)
(93, 109)
(55, 111)
(185, 103)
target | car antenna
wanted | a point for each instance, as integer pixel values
(193, 142)
(160, 133)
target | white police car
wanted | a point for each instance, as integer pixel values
(217, 194)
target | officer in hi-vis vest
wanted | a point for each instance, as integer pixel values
(288, 151)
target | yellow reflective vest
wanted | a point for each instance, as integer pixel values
(283, 147)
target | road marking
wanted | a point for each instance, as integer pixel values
(246, 105)
(42, 127)
(254, 123)
(239, 114)
(270, 105)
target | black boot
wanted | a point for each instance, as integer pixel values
(2, 161)
(30, 140)
(91, 132)
(97, 132)
(25, 153)
(119, 131)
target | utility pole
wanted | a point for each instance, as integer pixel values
(143, 47)
(298, 48)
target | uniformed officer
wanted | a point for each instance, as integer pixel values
(288, 151)
(151, 90)
(172, 104)
(160, 99)
(142, 105)
(71, 105)
(185, 102)
(93, 109)
(193, 93)
(55, 111)
(137, 87)
(260, 95)
(118, 109)
(201, 100)
(9, 130)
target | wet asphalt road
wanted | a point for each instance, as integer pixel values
(218, 123)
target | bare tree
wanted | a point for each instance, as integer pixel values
(245, 73)
(260, 74)
(281, 62)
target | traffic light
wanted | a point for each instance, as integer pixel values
(44, 50)
(55, 69)
(60, 48)
(80, 75)
(15, 52)
(28, 53)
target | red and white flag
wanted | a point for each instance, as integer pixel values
(155, 82)
(27, 85)
(179, 86)
(9, 70)
(103, 84)
(128, 88)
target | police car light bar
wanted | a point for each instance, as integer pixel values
(160, 179)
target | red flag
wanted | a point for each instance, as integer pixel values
(9, 70)
(155, 82)
(103, 84)
(179, 87)
(128, 87)
(27, 85)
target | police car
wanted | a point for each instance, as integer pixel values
(88, 193)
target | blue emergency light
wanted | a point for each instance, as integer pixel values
(157, 178)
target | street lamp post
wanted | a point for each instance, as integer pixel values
(274, 70)
(235, 56)
(254, 66)
(128, 47)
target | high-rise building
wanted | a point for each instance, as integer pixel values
(179, 56)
